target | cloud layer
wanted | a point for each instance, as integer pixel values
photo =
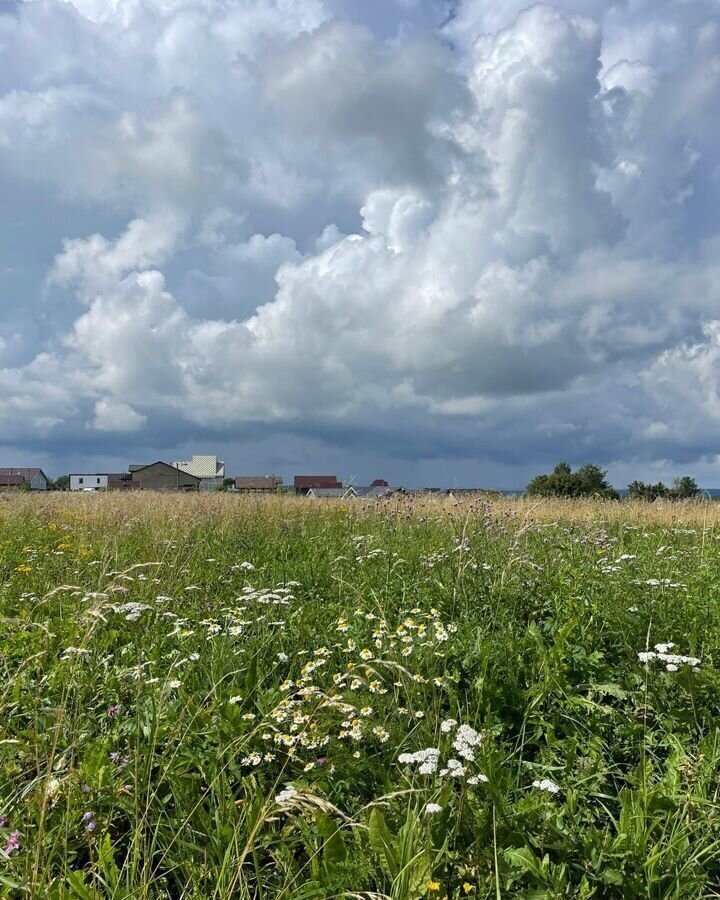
(476, 234)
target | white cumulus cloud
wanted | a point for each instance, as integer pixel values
(372, 230)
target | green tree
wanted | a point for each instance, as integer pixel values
(588, 481)
(685, 488)
(639, 490)
(61, 483)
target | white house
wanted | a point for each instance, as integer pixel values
(209, 469)
(93, 482)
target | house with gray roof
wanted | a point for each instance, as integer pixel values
(15, 478)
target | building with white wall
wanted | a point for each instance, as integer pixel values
(89, 482)
(209, 469)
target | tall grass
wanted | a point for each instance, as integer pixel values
(217, 696)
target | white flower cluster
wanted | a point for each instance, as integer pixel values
(455, 769)
(428, 760)
(546, 785)
(131, 611)
(663, 582)
(477, 779)
(465, 739)
(286, 796)
(671, 661)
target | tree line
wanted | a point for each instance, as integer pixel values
(591, 481)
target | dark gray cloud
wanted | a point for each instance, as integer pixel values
(424, 240)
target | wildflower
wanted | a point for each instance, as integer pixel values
(3, 821)
(254, 759)
(447, 725)
(13, 843)
(89, 821)
(321, 760)
(248, 716)
(120, 761)
(283, 657)
(672, 661)
(247, 566)
(432, 808)
(286, 795)
(433, 886)
(455, 769)
(113, 710)
(366, 654)
(174, 684)
(427, 758)
(546, 785)
(75, 651)
(380, 733)
(468, 888)
(465, 739)
(477, 779)
(366, 711)
(52, 789)
(236, 699)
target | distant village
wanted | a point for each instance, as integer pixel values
(200, 473)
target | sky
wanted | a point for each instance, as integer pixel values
(440, 243)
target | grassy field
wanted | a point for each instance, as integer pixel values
(216, 697)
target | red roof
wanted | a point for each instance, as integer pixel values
(316, 481)
(379, 482)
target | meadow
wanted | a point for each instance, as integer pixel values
(227, 697)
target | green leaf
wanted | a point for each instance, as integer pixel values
(381, 842)
(523, 858)
(334, 851)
